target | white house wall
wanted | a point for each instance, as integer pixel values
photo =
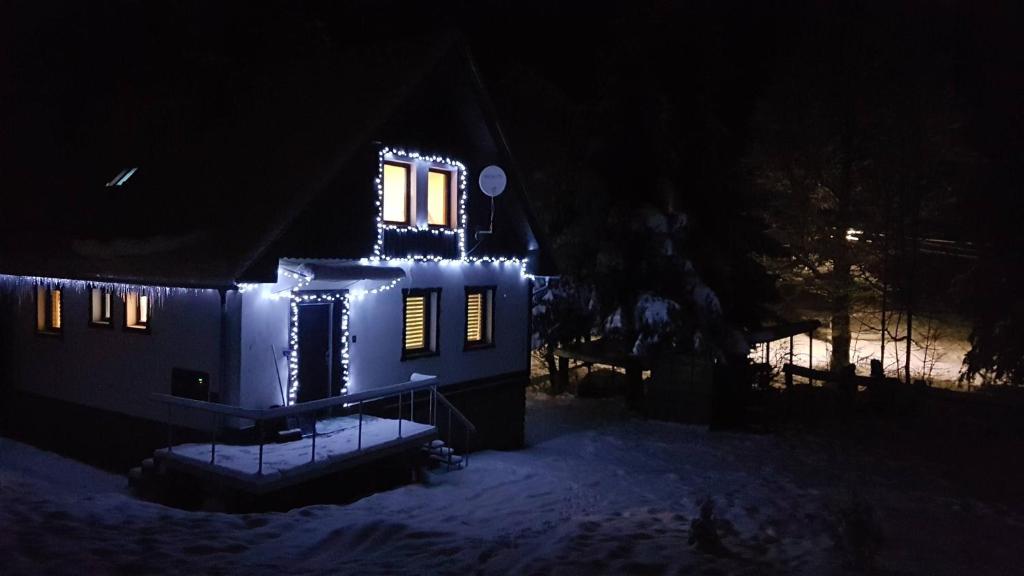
(375, 327)
(111, 368)
(264, 330)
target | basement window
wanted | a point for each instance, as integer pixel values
(49, 309)
(137, 312)
(479, 317)
(419, 322)
(101, 308)
(439, 193)
(397, 187)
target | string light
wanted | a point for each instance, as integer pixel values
(460, 170)
(156, 293)
(298, 298)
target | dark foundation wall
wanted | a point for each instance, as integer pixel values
(106, 439)
(496, 406)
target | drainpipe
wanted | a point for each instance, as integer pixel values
(222, 366)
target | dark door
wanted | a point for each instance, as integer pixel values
(315, 351)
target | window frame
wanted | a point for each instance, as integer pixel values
(47, 328)
(432, 321)
(410, 192)
(487, 318)
(137, 328)
(109, 322)
(449, 180)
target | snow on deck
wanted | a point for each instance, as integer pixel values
(337, 441)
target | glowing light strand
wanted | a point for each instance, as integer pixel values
(460, 169)
(156, 293)
(298, 298)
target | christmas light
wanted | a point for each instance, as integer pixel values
(298, 298)
(156, 293)
(458, 167)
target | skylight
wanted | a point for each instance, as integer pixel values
(123, 176)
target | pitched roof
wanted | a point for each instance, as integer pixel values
(218, 181)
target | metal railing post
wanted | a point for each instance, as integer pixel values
(213, 441)
(259, 432)
(312, 456)
(170, 430)
(359, 441)
(412, 405)
(399, 414)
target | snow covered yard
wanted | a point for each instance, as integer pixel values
(596, 492)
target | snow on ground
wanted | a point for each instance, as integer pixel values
(596, 492)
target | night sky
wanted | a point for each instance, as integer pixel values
(80, 82)
(627, 98)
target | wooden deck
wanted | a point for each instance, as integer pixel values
(341, 443)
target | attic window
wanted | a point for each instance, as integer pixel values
(101, 307)
(439, 184)
(396, 192)
(419, 322)
(49, 309)
(137, 311)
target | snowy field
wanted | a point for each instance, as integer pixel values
(936, 356)
(596, 492)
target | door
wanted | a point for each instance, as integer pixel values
(316, 357)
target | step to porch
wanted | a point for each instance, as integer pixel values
(442, 454)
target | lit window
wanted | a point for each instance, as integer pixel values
(479, 316)
(438, 195)
(136, 311)
(48, 309)
(101, 307)
(396, 193)
(419, 322)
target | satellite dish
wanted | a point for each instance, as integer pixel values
(493, 180)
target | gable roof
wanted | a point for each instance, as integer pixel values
(206, 209)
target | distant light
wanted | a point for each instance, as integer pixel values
(123, 176)
(853, 235)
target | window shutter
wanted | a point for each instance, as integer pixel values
(415, 322)
(474, 317)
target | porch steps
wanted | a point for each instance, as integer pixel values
(144, 479)
(444, 455)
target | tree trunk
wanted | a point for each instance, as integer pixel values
(841, 281)
(554, 382)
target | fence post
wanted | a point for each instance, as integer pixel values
(399, 414)
(810, 354)
(359, 441)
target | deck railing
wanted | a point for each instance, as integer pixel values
(418, 383)
(453, 413)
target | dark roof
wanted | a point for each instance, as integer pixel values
(218, 191)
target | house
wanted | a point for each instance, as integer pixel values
(324, 238)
